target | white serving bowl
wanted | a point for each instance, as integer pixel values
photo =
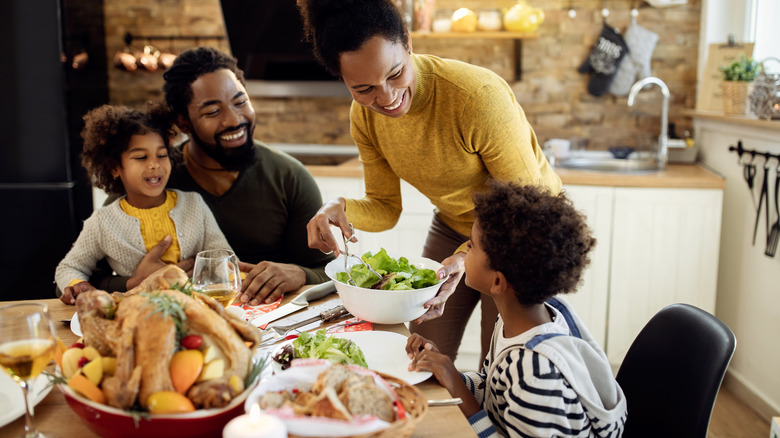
(384, 306)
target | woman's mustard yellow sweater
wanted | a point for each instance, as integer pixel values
(463, 127)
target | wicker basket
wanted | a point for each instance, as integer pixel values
(414, 403)
(735, 95)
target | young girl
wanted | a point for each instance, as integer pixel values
(545, 375)
(128, 152)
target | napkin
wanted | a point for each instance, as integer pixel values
(252, 312)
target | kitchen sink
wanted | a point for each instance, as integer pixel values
(603, 161)
(318, 155)
(610, 165)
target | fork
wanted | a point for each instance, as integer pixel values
(347, 255)
(325, 316)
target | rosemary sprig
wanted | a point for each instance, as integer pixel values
(55, 379)
(185, 288)
(168, 307)
(256, 367)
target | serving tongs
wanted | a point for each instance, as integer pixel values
(348, 255)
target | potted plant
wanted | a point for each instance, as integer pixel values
(737, 77)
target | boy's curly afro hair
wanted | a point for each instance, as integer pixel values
(538, 240)
(107, 132)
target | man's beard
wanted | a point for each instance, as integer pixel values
(233, 159)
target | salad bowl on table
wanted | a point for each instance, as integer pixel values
(383, 306)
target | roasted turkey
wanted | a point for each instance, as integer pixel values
(139, 328)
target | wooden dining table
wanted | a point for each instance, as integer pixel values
(53, 414)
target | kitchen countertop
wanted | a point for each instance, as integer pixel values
(688, 176)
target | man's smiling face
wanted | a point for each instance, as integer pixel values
(222, 119)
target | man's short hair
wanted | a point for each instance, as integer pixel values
(187, 68)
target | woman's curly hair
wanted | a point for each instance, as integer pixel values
(538, 240)
(337, 26)
(107, 132)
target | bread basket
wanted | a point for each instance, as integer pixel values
(414, 404)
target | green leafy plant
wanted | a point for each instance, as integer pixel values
(742, 69)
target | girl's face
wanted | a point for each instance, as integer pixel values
(380, 76)
(479, 276)
(145, 170)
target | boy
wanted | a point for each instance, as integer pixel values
(545, 375)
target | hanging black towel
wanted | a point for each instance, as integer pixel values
(603, 61)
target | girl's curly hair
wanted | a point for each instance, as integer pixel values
(107, 132)
(337, 26)
(538, 240)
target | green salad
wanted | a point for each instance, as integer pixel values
(397, 274)
(322, 346)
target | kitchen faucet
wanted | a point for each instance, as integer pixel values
(663, 138)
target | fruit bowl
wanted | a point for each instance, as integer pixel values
(110, 422)
(383, 306)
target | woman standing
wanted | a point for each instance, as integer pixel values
(442, 125)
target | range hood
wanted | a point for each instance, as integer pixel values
(267, 39)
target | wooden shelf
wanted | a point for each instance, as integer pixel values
(718, 116)
(518, 38)
(505, 35)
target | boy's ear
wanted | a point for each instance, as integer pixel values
(499, 285)
(183, 123)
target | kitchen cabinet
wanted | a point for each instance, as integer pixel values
(656, 246)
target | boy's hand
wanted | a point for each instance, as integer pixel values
(70, 293)
(416, 343)
(151, 262)
(428, 358)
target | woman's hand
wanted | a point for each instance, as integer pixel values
(267, 281)
(318, 228)
(453, 267)
(70, 293)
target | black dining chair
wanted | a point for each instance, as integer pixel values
(672, 372)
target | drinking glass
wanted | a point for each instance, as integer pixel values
(216, 274)
(26, 347)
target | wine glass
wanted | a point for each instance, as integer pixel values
(216, 274)
(27, 345)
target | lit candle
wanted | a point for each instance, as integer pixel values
(255, 425)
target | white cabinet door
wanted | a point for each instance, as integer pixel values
(665, 245)
(590, 300)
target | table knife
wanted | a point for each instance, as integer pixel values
(324, 316)
(298, 303)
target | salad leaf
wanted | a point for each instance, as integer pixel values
(322, 346)
(406, 277)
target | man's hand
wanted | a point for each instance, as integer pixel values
(267, 281)
(152, 262)
(453, 267)
(70, 293)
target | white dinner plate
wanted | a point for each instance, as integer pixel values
(384, 352)
(11, 399)
(75, 326)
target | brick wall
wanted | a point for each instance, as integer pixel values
(551, 91)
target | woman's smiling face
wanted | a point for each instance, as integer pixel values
(380, 76)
